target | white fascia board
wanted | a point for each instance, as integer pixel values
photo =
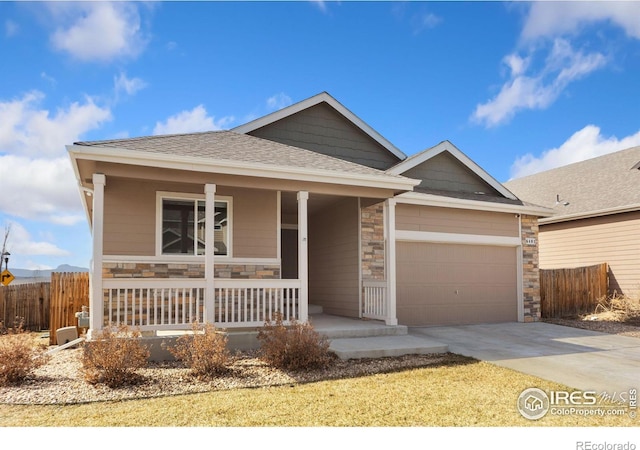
(457, 238)
(590, 214)
(416, 198)
(82, 193)
(164, 161)
(410, 163)
(312, 101)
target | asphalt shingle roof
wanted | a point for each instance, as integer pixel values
(237, 147)
(603, 183)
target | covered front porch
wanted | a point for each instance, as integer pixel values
(158, 292)
(171, 290)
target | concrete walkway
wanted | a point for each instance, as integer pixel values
(352, 338)
(577, 358)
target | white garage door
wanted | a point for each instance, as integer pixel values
(451, 284)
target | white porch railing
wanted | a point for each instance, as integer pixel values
(374, 299)
(174, 304)
(248, 303)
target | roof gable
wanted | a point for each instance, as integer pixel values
(445, 168)
(321, 123)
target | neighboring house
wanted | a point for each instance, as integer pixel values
(596, 219)
(307, 205)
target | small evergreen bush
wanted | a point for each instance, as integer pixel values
(294, 347)
(204, 351)
(20, 355)
(113, 356)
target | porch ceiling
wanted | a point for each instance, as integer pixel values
(317, 202)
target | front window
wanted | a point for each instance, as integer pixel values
(183, 226)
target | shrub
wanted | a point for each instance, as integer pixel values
(294, 347)
(113, 356)
(204, 352)
(20, 355)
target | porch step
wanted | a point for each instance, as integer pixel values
(335, 327)
(385, 346)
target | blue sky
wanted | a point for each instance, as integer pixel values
(519, 87)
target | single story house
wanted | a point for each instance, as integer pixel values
(596, 218)
(305, 206)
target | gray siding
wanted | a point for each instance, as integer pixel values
(333, 258)
(444, 172)
(324, 130)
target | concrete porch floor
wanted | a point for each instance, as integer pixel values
(353, 338)
(350, 338)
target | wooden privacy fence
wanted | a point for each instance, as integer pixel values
(28, 303)
(69, 293)
(566, 292)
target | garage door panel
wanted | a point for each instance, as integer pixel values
(443, 284)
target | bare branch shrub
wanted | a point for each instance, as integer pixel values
(113, 356)
(294, 347)
(20, 355)
(204, 351)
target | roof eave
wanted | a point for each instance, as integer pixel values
(196, 164)
(418, 198)
(590, 214)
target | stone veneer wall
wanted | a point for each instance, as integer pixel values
(186, 270)
(372, 242)
(530, 269)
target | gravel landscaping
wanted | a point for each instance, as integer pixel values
(61, 381)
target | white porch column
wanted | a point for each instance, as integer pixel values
(209, 252)
(390, 257)
(96, 297)
(303, 256)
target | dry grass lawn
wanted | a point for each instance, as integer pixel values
(464, 394)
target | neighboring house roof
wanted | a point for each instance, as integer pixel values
(446, 146)
(599, 186)
(315, 100)
(235, 153)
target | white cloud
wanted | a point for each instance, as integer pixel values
(278, 101)
(191, 122)
(29, 131)
(127, 85)
(11, 28)
(537, 90)
(21, 243)
(37, 180)
(584, 144)
(529, 87)
(516, 64)
(40, 189)
(320, 4)
(98, 31)
(48, 78)
(550, 19)
(425, 21)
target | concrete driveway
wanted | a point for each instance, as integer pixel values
(577, 358)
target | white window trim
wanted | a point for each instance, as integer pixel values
(162, 195)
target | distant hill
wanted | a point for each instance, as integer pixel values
(39, 274)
